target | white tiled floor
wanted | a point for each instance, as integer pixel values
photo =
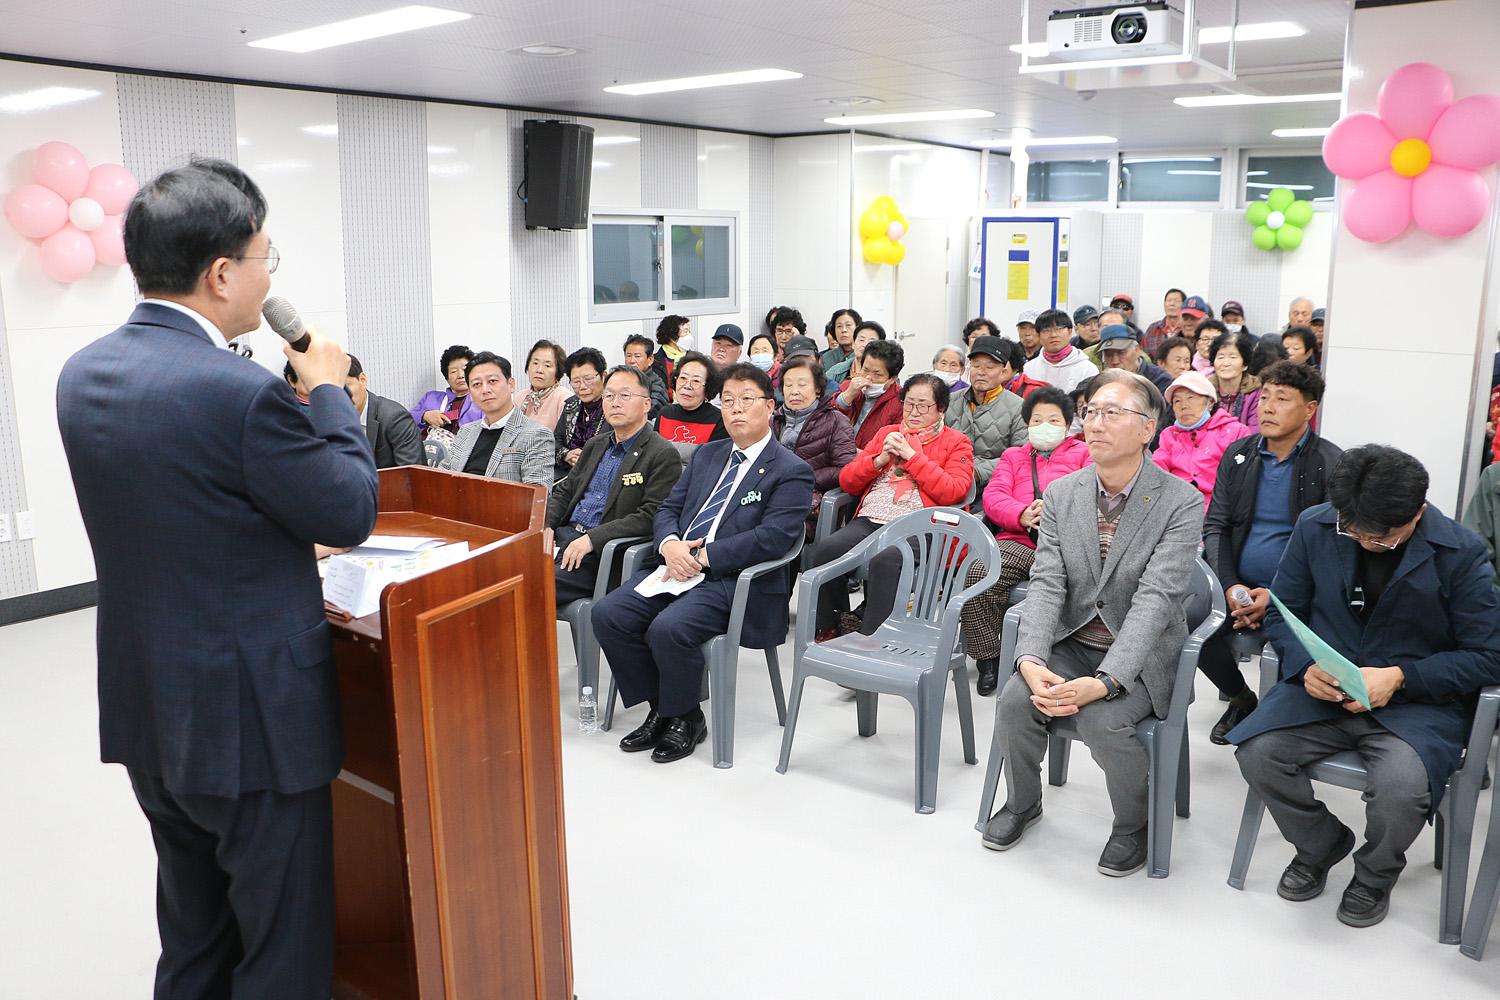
(820, 883)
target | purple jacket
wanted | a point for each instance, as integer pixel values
(1194, 455)
(442, 400)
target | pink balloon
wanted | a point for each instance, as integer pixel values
(35, 211)
(1413, 98)
(1448, 201)
(109, 240)
(60, 167)
(1468, 134)
(895, 231)
(1379, 207)
(67, 254)
(1358, 146)
(112, 186)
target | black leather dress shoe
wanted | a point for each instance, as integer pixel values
(1363, 905)
(1004, 829)
(647, 735)
(1124, 854)
(1301, 881)
(1233, 716)
(989, 675)
(681, 736)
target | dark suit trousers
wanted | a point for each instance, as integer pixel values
(652, 643)
(577, 583)
(244, 892)
(1219, 659)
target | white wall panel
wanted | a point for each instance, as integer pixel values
(1174, 254)
(812, 224)
(722, 160)
(616, 178)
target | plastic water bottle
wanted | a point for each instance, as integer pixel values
(588, 712)
(1241, 596)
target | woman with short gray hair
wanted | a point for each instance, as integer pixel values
(949, 364)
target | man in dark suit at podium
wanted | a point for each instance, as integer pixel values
(738, 503)
(217, 688)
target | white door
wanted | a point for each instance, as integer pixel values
(922, 294)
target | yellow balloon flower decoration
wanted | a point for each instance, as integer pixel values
(882, 227)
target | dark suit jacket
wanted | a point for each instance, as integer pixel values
(1438, 620)
(629, 509)
(763, 519)
(392, 432)
(215, 658)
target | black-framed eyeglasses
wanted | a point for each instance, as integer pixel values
(272, 258)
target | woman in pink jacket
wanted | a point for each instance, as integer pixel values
(1013, 502)
(1190, 449)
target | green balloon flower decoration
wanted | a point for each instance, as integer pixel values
(1278, 220)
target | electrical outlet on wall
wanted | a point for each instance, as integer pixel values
(25, 524)
(4, 527)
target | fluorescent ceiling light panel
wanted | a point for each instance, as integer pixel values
(699, 82)
(1251, 32)
(1062, 140)
(359, 29)
(615, 140)
(1272, 187)
(1234, 100)
(1300, 133)
(911, 116)
(47, 97)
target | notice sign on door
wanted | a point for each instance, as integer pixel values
(1018, 275)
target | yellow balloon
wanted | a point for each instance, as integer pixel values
(885, 203)
(898, 217)
(877, 249)
(699, 248)
(895, 254)
(873, 223)
(697, 230)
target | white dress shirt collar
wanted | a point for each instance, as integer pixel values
(215, 335)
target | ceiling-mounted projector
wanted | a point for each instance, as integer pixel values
(1119, 31)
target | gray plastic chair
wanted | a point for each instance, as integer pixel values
(1165, 740)
(913, 652)
(576, 614)
(722, 654)
(1454, 837)
(835, 511)
(1487, 883)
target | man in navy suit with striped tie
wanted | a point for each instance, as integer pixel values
(738, 503)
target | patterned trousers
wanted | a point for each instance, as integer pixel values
(982, 616)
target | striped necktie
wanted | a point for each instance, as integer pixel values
(718, 498)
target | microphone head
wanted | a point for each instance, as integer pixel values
(282, 317)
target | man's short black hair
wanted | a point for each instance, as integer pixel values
(290, 374)
(641, 339)
(669, 329)
(1375, 488)
(487, 358)
(1266, 354)
(633, 372)
(711, 380)
(744, 371)
(1169, 345)
(1304, 334)
(1180, 294)
(808, 361)
(452, 354)
(987, 326)
(889, 353)
(940, 390)
(1050, 319)
(1304, 378)
(586, 356)
(355, 368)
(183, 220)
(1048, 394)
(786, 314)
(870, 324)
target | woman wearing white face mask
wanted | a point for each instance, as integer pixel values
(872, 396)
(675, 335)
(948, 365)
(1013, 501)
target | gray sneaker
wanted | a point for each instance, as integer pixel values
(1004, 829)
(1124, 854)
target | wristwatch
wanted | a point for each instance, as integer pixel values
(1112, 688)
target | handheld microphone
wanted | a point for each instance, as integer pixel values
(282, 317)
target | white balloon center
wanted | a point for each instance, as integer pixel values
(1276, 220)
(86, 213)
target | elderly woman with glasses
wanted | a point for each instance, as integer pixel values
(583, 412)
(907, 466)
(690, 419)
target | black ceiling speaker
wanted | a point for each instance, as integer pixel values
(558, 160)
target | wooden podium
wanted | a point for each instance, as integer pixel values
(450, 865)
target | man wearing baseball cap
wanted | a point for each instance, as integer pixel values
(1026, 333)
(986, 413)
(1119, 349)
(725, 347)
(1085, 327)
(1125, 304)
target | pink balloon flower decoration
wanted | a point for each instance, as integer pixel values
(1416, 160)
(76, 213)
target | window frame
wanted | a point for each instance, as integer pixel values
(1243, 174)
(1226, 168)
(666, 302)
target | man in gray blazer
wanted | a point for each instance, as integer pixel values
(504, 444)
(392, 433)
(1103, 624)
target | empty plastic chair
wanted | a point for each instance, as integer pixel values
(576, 614)
(913, 652)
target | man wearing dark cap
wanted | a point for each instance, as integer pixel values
(725, 348)
(1317, 328)
(1125, 305)
(1119, 349)
(799, 347)
(1233, 316)
(986, 413)
(1085, 327)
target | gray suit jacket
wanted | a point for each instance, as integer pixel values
(1138, 591)
(393, 434)
(523, 454)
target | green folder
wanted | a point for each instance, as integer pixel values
(1328, 659)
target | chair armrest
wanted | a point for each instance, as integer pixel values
(953, 613)
(607, 561)
(635, 557)
(742, 588)
(834, 502)
(1477, 751)
(1270, 668)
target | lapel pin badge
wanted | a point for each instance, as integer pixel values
(752, 497)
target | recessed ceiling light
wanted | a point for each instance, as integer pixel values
(910, 116)
(1300, 133)
(1061, 140)
(1035, 50)
(615, 140)
(852, 102)
(46, 97)
(326, 131)
(359, 29)
(1233, 100)
(548, 51)
(1251, 32)
(697, 82)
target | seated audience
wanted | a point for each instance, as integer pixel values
(907, 465)
(1175, 356)
(638, 356)
(948, 365)
(290, 374)
(1266, 354)
(1125, 306)
(692, 420)
(738, 503)
(987, 413)
(1232, 315)
(583, 412)
(1423, 627)
(614, 491)
(544, 397)
(1119, 349)
(675, 335)
(1101, 644)
(763, 353)
(1264, 483)
(1300, 345)
(979, 326)
(1192, 444)
(786, 323)
(392, 432)
(450, 408)
(1170, 325)
(1060, 363)
(504, 443)
(841, 329)
(1483, 513)
(810, 425)
(864, 333)
(1026, 335)
(1231, 354)
(1203, 339)
(1316, 325)
(1013, 502)
(726, 345)
(1299, 313)
(872, 396)
(1086, 327)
